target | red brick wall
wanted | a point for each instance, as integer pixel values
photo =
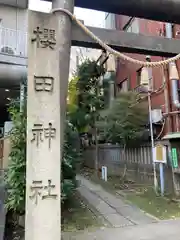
(128, 70)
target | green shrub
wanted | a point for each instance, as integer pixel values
(16, 174)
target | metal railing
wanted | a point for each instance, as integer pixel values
(13, 42)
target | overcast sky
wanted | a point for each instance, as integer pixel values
(90, 17)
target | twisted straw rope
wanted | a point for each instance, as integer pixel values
(111, 50)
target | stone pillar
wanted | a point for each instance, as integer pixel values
(48, 66)
(64, 49)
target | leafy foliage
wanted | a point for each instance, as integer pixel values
(125, 121)
(72, 95)
(71, 158)
(16, 174)
(89, 98)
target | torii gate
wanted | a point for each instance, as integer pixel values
(49, 42)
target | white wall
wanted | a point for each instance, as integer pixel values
(14, 18)
(15, 3)
(13, 31)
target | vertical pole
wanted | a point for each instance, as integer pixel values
(151, 125)
(96, 134)
(152, 140)
(64, 51)
(96, 151)
(161, 171)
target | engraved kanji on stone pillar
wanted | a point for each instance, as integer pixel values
(45, 38)
(36, 190)
(37, 132)
(39, 191)
(49, 188)
(49, 133)
(38, 136)
(43, 83)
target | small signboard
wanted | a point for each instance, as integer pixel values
(174, 158)
(159, 154)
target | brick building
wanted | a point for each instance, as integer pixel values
(128, 75)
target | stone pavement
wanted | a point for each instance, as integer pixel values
(114, 210)
(125, 221)
(166, 230)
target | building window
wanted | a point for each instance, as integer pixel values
(133, 26)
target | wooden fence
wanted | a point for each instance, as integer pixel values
(138, 160)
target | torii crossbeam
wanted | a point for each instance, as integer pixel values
(159, 10)
(130, 42)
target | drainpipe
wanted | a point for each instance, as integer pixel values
(166, 99)
(175, 93)
(173, 76)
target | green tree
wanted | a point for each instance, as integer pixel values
(16, 174)
(72, 103)
(125, 122)
(71, 157)
(89, 98)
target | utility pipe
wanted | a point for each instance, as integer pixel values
(166, 89)
(166, 99)
(173, 72)
(173, 76)
(171, 113)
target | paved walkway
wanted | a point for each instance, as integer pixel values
(166, 230)
(114, 210)
(125, 221)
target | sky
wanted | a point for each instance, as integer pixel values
(90, 17)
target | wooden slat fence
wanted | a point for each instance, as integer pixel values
(138, 160)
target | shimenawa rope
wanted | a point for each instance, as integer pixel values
(111, 50)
